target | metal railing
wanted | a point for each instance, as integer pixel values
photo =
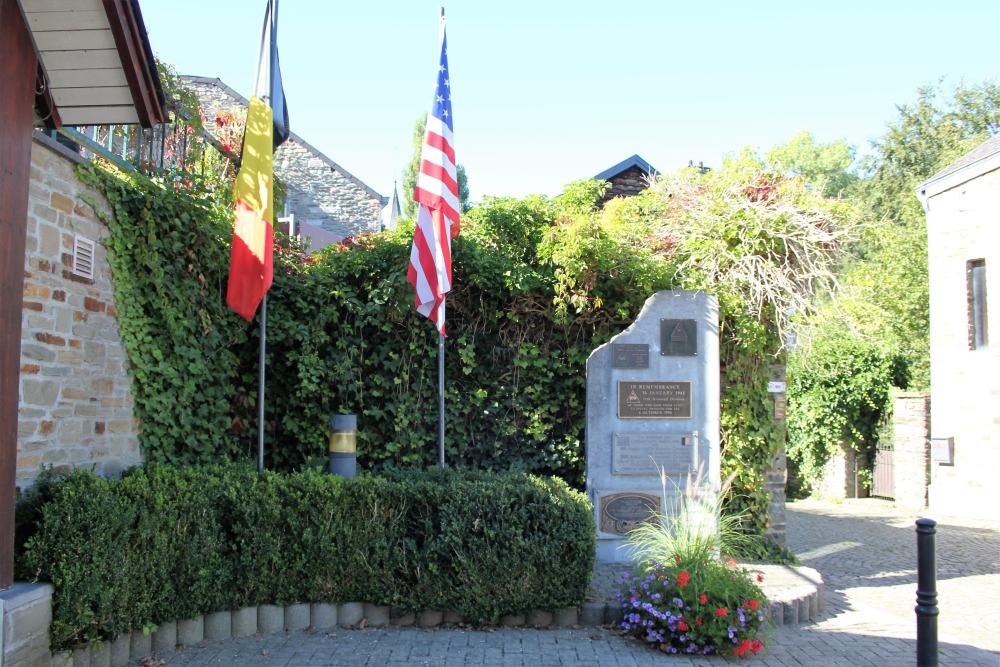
(170, 146)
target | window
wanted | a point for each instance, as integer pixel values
(976, 278)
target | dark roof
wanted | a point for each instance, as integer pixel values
(984, 150)
(625, 165)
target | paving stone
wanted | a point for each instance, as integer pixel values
(297, 616)
(120, 650)
(377, 615)
(244, 623)
(190, 631)
(140, 645)
(219, 625)
(350, 613)
(165, 637)
(429, 618)
(323, 615)
(270, 618)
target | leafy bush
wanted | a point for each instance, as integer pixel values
(839, 395)
(167, 543)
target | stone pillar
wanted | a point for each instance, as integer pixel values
(27, 614)
(777, 479)
(911, 422)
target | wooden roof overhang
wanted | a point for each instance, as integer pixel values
(96, 66)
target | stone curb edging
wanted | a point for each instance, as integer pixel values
(795, 595)
(270, 619)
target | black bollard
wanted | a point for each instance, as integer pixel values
(927, 609)
(343, 445)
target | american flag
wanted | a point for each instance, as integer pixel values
(436, 195)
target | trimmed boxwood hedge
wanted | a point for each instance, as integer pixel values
(167, 543)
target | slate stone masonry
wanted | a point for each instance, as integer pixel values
(320, 192)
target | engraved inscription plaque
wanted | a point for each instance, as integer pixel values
(678, 338)
(622, 512)
(647, 453)
(630, 355)
(654, 400)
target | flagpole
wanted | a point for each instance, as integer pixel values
(260, 385)
(441, 399)
(441, 352)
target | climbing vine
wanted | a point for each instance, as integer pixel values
(168, 251)
(538, 284)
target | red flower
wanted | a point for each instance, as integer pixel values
(753, 605)
(760, 578)
(756, 646)
(697, 621)
(682, 626)
(682, 579)
(731, 563)
(677, 559)
(703, 599)
(721, 611)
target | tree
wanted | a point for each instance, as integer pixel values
(886, 290)
(826, 166)
(413, 168)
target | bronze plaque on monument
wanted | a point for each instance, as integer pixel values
(648, 453)
(678, 338)
(622, 512)
(629, 355)
(654, 400)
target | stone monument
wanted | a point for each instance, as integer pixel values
(652, 404)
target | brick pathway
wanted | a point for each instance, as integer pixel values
(865, 550)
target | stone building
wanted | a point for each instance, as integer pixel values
(963, 241)
(329, 204)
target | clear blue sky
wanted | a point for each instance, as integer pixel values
(545, 93)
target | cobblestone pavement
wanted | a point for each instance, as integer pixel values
(865, 550)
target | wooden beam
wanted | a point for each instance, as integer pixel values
(137, 59)
(18, 68)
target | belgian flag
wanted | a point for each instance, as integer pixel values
(251, 269)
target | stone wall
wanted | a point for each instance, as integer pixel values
(321, 193)
(965, 383)
(842, 476)
(76, 397)
(911, 423)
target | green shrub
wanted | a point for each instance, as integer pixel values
(167, 543)
(838, 398)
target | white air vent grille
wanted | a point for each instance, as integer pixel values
(83, 257)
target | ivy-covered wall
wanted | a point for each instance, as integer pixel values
(538, 284)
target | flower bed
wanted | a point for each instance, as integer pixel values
(700, 606)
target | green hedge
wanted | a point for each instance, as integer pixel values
(167, 543)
